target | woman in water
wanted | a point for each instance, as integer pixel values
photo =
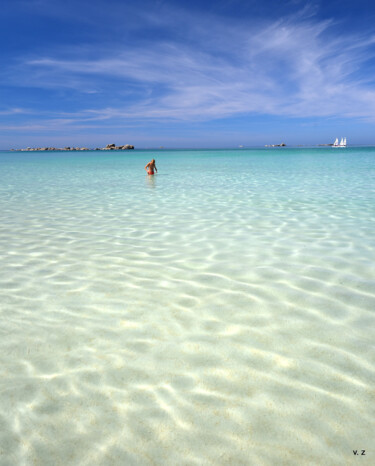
(151, 167)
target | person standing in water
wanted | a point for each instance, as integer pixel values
(151, 167)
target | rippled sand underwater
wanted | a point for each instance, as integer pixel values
(219, 313)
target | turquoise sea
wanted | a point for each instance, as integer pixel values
(221, 312)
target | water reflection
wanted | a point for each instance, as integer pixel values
(151, 181)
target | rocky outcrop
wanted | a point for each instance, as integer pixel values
(107, 147)
(114, 147)
(276, 145)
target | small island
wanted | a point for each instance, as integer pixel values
(107, 147)
(276, 145)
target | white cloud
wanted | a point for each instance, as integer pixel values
(292, 67)
(14, 111)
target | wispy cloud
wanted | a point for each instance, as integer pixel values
(14, 111)
(295, 67)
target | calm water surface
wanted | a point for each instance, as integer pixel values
(221, 312)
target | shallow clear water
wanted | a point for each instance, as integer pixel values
(220, 312)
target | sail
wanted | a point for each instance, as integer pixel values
(342, 142)
(336, 143)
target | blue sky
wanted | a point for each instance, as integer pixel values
(186, 73)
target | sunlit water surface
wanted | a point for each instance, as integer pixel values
(221, 312)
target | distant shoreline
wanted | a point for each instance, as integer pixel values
(68, 148)
(167, 149)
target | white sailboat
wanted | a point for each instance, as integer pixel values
(341, 144)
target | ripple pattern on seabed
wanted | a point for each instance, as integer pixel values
(219, 317)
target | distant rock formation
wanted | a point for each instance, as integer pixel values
(276, 145)
(107, 147)
(114, 147)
